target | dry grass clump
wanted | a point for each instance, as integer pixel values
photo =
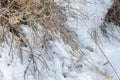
(24, 11)
(113, 15)
(13, 13)
(47, 13)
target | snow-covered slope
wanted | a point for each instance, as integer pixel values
(99, 52)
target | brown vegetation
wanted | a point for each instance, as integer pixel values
(46, 12)
(113, 15)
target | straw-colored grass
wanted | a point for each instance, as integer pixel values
(24, 11)
(46, 12)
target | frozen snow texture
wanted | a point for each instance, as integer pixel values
(83, 18)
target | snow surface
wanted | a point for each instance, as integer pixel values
(87, 16)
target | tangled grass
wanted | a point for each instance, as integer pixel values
(13, 13)
(113, 15)
(47, 13)
(24, 11)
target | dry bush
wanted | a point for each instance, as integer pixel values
(46, 12)
(13, 13)
(113, 15)
(24, 11)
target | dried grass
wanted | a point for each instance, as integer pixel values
(47, 13)
(113, 15)
(24, 11)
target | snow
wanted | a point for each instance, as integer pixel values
(91, 64)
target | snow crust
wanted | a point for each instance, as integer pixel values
(84, 18)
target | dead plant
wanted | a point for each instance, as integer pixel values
(47, 13)
(113, 15)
